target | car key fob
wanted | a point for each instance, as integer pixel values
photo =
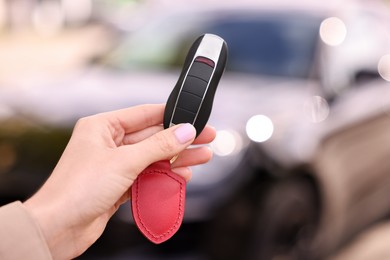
(158, 194)
(192, 98)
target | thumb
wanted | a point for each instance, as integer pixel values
(161, 146)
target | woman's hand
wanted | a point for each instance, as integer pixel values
(100, 163)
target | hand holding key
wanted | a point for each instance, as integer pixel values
(99, 165)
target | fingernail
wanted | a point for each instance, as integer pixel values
(185, 133)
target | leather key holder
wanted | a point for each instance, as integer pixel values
(158, 201)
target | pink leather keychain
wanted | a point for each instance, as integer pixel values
(158, 194)
(158, 201)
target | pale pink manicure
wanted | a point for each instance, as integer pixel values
(185, 133)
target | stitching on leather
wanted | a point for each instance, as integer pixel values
(177, 222)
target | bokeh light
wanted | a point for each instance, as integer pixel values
(259, 128)
(317, 108)
(384, 67)
(333, 31)
(226, 143)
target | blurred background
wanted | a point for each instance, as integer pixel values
(300, 167)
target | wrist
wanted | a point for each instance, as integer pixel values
(58, 237)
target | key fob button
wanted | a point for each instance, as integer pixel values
(201, 70)
(195, 86)
(183, 116)
(189, 101)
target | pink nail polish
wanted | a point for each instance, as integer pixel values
(185, 133)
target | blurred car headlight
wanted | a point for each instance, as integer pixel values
(227, 147)
(227, 142)
(317, 109)
(384, 67)
(333, 31)
(259, 128)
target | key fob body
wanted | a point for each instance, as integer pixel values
(191, 100)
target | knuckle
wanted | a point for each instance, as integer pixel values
(82, 122)
(84, 125)
(164, 143)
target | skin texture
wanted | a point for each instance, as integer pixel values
(97, 168)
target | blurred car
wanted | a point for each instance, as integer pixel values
(281, 78)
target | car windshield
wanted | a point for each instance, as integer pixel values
(259, 43)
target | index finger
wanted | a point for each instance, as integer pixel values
(136, 118)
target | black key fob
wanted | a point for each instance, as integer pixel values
(191, 100)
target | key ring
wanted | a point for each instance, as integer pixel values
(174, 158)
